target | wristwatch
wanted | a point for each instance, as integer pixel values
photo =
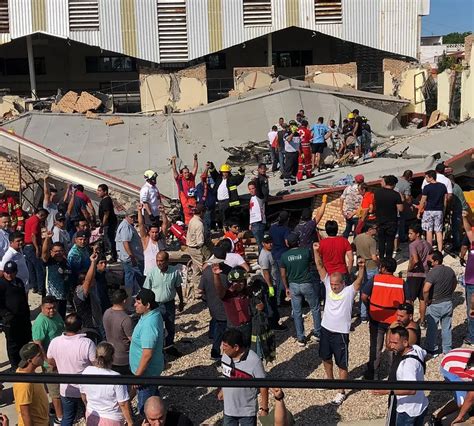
(282, 396)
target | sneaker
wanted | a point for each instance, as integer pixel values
(433, 421)
(339, 399)
(301, 343)
(364, 320)
(432, 354)
(314, 338)
(423, 325)
(57, 422)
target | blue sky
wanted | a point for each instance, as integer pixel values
(449, 16)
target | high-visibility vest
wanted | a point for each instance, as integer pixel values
(387, 294)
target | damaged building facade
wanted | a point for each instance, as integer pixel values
(184, 53)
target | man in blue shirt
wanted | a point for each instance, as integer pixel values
(319, 132)
(146, 348)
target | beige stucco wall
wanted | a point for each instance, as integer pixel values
(182, 90)
(337, 75)
(467, 91)
(444, 91)
(246, 79)
(410, 87)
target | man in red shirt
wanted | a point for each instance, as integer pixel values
(186, 182)
(32, 250)
(304, 159)
(336, 252)
(10, 206)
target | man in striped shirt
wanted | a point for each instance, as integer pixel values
(457, 366)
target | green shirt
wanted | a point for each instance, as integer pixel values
(297, 261)
(46, 329)
(163, 284)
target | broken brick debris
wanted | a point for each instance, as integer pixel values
(68, 102)
(114, 121)
(92, 115)
(87, 102)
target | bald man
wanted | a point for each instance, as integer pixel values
(157, 414)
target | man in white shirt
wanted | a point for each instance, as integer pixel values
(49, 203)
(15, 253)
(336, 323)
(410, 406)
(4, 234)
(150, 196)
(257, 215)
(273, 140)
(440, 177)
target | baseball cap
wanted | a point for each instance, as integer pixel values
(132, 211)
(267, 238)
(60, 216)
(147, 296)
(359, 178)
(293, 238)
(10, 267)
(28, 351)
(82, 234)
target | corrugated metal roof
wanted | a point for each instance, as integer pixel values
(131, 26)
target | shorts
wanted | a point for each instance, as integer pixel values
(415, 287)
(318, 148)
(53, 390)
(334, 344)
(432, 221)
(459, 396)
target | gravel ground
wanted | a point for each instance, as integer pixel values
(309, 406)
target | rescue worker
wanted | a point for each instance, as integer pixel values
(150, 197)
(226, 184)
(384, 293)
(10, 206)
(186, 182)
(304, 159)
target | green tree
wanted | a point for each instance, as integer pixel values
(455, 38)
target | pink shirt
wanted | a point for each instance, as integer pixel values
(72, 354)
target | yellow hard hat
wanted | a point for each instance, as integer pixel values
(149, 174)
(350, 115)
(226, 168)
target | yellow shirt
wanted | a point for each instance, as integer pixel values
(34, 395)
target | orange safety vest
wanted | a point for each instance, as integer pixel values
(387, 294)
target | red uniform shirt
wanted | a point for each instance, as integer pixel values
(333, 253)
(32, 226)
(305, 135)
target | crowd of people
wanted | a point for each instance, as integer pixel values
(85, 326)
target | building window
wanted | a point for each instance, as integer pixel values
(328, 11)
(97, 64)
(257, 13)
(19, 66)
(295, 58)
(172, 30)
(4, 20)
(216, 61)
(83, 15)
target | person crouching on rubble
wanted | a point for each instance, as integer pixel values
(226, 183)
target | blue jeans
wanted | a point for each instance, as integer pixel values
(143, 393)
(470, 321)
(70, 407)
(133, 277)
(368, 275)
(439, 313)
(350, 225)
(281, 158)
(258, 229)
(35, 269)
(310, 292)
(242, 421)
(168, 312)
(218, 330)
(403, 419)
